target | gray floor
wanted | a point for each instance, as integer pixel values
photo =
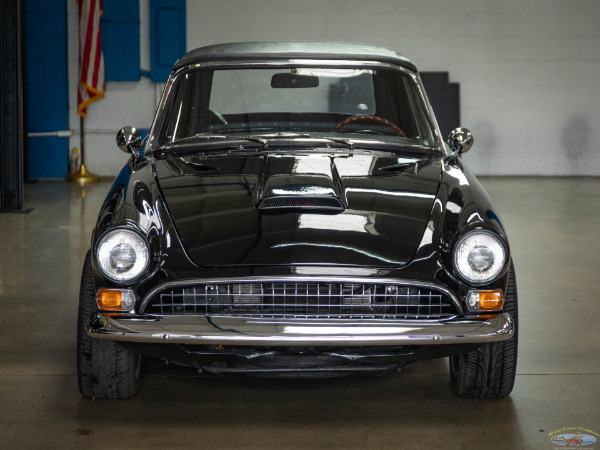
(553, 225)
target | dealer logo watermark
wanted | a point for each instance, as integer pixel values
(574, 437)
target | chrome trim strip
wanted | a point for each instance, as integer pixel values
(240, 331)
(289, 63)
(292, 279)
(432, 119)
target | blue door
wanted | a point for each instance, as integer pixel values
(47, 87)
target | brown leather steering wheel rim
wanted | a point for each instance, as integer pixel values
(372, 118)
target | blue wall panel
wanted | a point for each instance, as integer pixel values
(51, 157)
(167, 36)
(121, 39)
(47, 86)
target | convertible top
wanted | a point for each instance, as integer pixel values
(283, 50)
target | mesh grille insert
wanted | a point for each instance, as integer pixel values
(304, 300)
(301, 202)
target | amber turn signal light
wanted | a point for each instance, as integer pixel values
(491, 300)
(114, 300)
(485, 300)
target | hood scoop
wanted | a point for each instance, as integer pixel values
(299, 183)
(282, 203)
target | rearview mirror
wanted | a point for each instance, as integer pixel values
(292, 80)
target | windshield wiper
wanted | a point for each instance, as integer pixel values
(342, 141)
(209, 137)
(282, 136)
(261, 140)
(210, 141)
(199, 136)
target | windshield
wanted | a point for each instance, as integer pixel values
(349, 103)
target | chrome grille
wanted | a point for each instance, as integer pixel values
(303, 300)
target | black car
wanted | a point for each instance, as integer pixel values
(295, 211)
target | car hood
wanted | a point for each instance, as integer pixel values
(299, 209)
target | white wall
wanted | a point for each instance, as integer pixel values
(529, 70)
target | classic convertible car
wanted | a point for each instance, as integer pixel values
(295, 212)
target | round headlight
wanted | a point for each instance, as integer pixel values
(122, 255)
(479, 257)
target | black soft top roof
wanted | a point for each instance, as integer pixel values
(277, 50)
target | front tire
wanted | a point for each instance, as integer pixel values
(490, 370)
(105, 369)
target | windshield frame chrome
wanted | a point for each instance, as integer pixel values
(152, 142)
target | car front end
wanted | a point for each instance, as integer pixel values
(295, 212)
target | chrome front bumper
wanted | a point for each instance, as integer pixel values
(270, 332)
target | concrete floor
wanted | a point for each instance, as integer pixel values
(553, 226)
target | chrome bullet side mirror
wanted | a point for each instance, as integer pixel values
(460, 140)
(129, 140)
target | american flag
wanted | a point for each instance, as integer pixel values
(91, 59)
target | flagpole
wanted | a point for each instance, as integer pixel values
(81, 139)
(82, 176)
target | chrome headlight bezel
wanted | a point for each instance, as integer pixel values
(483, 239)
(109, 241)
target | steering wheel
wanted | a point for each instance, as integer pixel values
(372, 118)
